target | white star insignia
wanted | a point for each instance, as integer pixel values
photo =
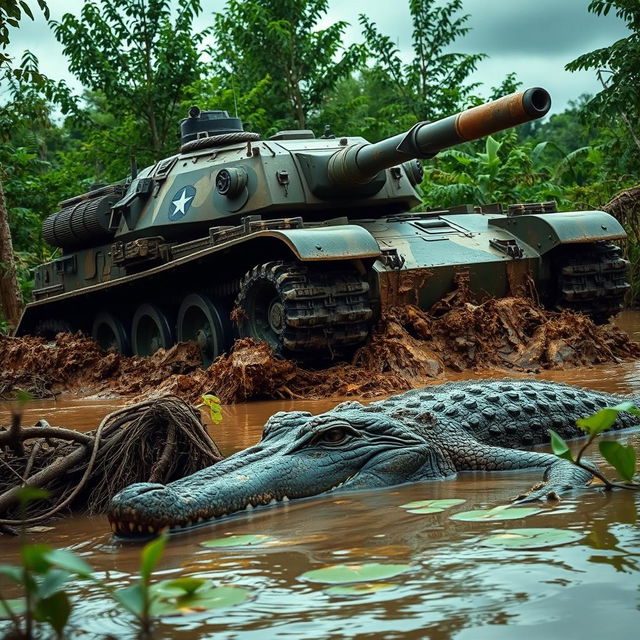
(181, 202)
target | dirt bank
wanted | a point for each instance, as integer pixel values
(408, 348)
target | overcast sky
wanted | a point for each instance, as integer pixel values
(534, 38)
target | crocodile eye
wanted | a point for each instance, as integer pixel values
(333, 436)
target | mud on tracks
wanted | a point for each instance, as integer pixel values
(408, 348)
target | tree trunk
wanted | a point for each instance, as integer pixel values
(10, 301)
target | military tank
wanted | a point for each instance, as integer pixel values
(302, 242)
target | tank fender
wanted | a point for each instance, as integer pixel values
(338, 242)
(546, 231)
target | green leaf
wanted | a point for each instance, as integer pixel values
(598, 422)
(622, 458)
(23, 397)
(345, 573)
(34, 557)
(131, 598)
(70, 562)
(30, 494)
(532, 538)
(17, 607)
(492, 148)
(363, 588)
(498, 513)
(12, 572)
(237, 541)
(431, 506)
(55, 610)
(151, 554)
(215, 411)
(559, 446)
(52, 582)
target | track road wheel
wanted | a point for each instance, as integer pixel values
(51, 327)
(150, 331)
(109, 332)
(306, 311)
(207, 324)
(592, 279)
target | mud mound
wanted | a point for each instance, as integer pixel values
(75, 363)
(408, 348)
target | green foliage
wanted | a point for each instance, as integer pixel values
(435, 82)
(139, 55)
(619, 64)
(280, 42)
(11, 12)
(621, 458)
(137, 598)
(501, 170)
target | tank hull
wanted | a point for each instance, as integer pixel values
(413, 258)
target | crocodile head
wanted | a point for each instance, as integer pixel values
(300, 455)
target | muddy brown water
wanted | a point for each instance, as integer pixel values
(456, 588)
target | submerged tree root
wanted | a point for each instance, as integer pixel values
(157, 441)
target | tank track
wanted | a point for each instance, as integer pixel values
(327, 309)
(592, 279)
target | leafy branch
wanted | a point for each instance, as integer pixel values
(621, 457)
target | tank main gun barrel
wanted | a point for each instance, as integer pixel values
(360, 163)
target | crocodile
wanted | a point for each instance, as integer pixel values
(420, 435)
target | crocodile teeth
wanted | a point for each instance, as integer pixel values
(249, 507)
(285, 499)
(273, 501)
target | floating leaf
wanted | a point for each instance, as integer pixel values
(360, 589)
(178, 586)
(559, 446)
(237, 541)
(498, 513)
(345, 573)
(214, 404)
(531, 538)
(431, 506)
(203, 598)
(622, 458)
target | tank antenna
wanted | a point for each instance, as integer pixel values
(134, 167)
(233, 89)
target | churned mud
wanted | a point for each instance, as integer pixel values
(408, 348)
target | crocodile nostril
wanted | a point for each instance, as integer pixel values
(150, 488)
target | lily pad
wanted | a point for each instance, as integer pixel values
(237, 541)
(431, 506)
(346, 573)
(166, 602)
(499, 513)
(361, 588)
(532, 538)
